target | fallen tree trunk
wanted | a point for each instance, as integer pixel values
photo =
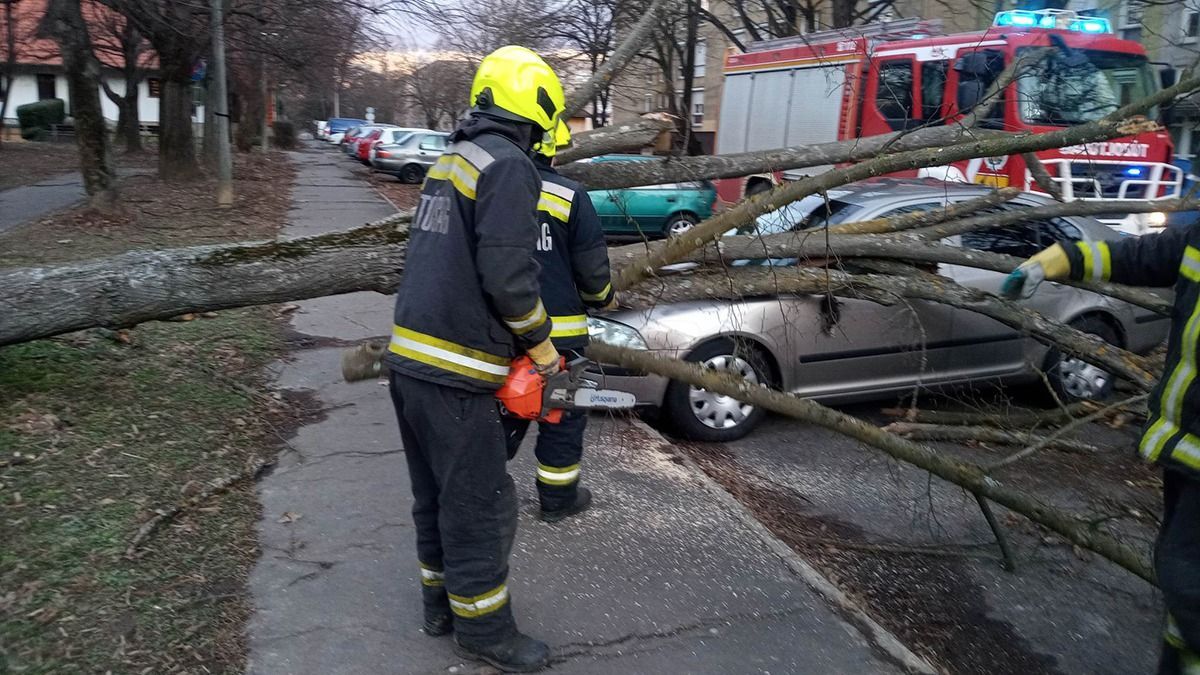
(630, 137)
(140, 286)
(966, 475)
(928, 218)
(813, 246)
(760, 282)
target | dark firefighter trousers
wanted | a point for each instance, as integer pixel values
(559, 449)
(1177, 563)
(464, 503)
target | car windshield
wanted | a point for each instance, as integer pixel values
(811, 212)
(1082, 85)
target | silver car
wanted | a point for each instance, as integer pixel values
(873, 351)
(409, 156)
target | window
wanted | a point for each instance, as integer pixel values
(433, 143)
(933, 89)
(1082, 87)
(976, 72)
(894, 95)
(1191, 24)
(154, 86)
(1130, 20)
(649, 104)
(1024, 240)
(45, 87)
(697, 107)
(700, 56)
(910, 208)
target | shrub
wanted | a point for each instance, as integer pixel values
(35, 119)
(285, 135)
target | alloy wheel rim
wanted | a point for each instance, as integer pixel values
(717, 411)
(1081, 379)
(680, 226)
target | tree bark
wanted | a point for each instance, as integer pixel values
(64, 21)
(140, 286)
(176, 139)
(966, 475)
(631, 137)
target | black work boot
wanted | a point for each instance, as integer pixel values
(517, 653)
(583, 499)
(438, 621)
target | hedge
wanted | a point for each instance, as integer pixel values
(36, 119)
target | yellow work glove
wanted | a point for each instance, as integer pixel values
(1050, 264)
(545, 358)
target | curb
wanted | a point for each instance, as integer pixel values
(870, 629)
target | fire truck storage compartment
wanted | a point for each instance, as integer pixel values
(780, 108)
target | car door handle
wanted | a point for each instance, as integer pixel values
(672, 200)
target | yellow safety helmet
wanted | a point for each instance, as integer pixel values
(553, 142)
(515, 83)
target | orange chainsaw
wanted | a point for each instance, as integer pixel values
(529, 396)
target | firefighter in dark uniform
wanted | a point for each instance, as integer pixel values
(574, 276)
(468, 304)
(1172, 435)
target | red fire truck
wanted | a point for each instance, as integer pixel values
(839, 85)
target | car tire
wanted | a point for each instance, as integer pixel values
(1073, 379)
(411, 174)
(679, 223)
(699, 415)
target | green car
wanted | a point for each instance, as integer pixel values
(654, 210)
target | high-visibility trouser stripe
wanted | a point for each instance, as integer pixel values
(555, 206)
(1171, 405)
(448, 355)
(1097, 260)
(1190, 267)
(597, 297)
(431, 576)
(1189, 659)
(479, 605)
(529, 321)
(568, 326)
(555, 475)
(458, 171)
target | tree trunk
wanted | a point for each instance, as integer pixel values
(64, 20)
(141, 286)
(630, 137)
(176, 140)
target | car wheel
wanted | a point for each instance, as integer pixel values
(679, 223)
(700, 415)
(411, 174)
(1074, 379)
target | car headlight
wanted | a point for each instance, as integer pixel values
(615, 334)
(1156, 219)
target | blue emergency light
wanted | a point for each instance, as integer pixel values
(1064, 19)
(1133, 171)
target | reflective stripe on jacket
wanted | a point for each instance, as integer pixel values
(469, 301)
(1171, 257)
(573, 258)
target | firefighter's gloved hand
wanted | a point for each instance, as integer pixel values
(545, 358)
(612, 304)
(1050, 264)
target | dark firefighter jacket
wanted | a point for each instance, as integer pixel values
(469, 301)
(1172, 257)
(573, 258)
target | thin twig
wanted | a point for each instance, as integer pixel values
(1063, 430)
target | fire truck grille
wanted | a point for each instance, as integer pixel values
(1109, 178)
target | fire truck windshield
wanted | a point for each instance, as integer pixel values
(1082, 86)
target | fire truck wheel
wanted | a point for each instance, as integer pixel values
(700, 415)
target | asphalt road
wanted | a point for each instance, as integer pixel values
(1062, 610)
(22, 204)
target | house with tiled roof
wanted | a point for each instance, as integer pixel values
(37, 70)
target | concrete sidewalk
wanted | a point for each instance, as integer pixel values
(660, 576)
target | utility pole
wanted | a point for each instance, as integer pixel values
(263, 89)
(221, 114)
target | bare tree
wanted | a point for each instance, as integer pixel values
(118, 42)
(439, 90)
(64, 22)
(8, 64)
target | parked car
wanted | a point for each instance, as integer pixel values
(654, 210)
(873, 350)
(322, 129)
(409, 155)
(337, 127)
